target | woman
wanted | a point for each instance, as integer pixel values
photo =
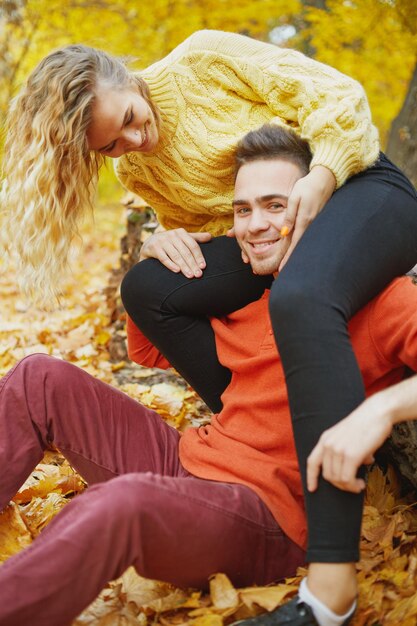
(175, 126)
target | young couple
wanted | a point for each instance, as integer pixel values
(231, 490)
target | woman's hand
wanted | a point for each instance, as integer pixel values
(178, 250)
(342, 449)
(307, 198)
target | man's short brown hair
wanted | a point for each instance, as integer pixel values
(273, 142)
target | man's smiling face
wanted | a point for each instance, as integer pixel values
(261, 193)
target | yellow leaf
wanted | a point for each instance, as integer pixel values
(103, 338)
(14, 534)
(212, 619)
(266, 597)
(222, 592)
(405, 609)
(377, 493)
(151, 595)
(193, 601)
(49, 478)
(115, 367)
(39, 512)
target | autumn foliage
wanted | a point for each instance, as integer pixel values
(80, 332)
(375, 41)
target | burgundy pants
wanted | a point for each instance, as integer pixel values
(146, 510)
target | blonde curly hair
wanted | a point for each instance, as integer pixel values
(49, 173)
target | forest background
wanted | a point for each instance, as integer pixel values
(374, 41)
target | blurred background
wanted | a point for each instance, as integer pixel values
(374, 41)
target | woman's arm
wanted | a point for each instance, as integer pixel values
(327, 108)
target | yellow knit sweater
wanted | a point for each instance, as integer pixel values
(215, 87)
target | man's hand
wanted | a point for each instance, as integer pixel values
(307, 198)
(342, 449)
(178, 250)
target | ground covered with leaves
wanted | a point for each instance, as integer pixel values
(80, 332)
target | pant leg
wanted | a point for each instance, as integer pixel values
(171, 310)
(365, 236)
(177, 529)
(100, 430)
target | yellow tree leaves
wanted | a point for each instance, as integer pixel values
(374, 41)
(388, 569)
(126, 27)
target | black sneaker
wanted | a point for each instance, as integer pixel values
(295, 612)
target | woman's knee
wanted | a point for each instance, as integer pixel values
(146, 288)
(140, 285)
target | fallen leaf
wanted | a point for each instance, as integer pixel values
(222, 592)
(266, 597)
(14, 534)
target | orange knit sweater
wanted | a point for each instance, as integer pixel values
(250, 441)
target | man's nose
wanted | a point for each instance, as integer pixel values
(258, 221)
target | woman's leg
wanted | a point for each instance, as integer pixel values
(171, 310)
(365, 236)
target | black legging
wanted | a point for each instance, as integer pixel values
(364, 237)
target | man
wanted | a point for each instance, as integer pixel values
(224, 497)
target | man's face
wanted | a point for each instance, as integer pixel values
(260, 200)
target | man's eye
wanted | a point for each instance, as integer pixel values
(243, 210)
(277, 206)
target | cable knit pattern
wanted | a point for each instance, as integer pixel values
(215, 87)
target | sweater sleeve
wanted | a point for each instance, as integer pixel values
(393, 323)
(328, 109)
(140, 349)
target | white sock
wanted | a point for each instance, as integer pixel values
(322, 613)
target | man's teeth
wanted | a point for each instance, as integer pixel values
(265, 244)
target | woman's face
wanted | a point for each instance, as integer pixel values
(122, 121)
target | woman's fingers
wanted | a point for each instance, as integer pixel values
(306, 200)
(186, 254)
(290, 215)
(299, 230)
(178, 250)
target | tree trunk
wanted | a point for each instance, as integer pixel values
(402, 141)
(140, 223)
(401, 452)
